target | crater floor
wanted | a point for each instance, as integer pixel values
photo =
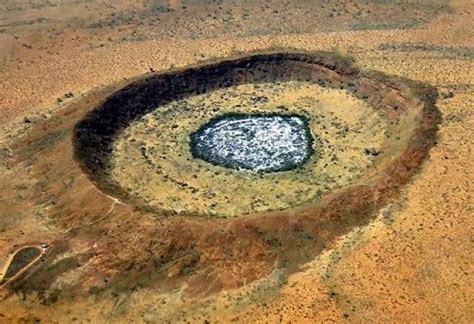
(152, 158)
(259, 143)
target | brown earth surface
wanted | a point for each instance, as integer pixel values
(394, 246)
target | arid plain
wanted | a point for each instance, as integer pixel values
(115, 258)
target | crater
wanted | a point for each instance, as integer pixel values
(206, 117)
(260, 143)
(371, 133)
(257, 113)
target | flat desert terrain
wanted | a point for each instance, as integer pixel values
(122, 200)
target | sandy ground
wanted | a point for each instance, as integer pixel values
(412, 264)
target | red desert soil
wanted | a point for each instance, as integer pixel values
(394, 247)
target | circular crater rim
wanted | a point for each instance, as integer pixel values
(95, 133)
